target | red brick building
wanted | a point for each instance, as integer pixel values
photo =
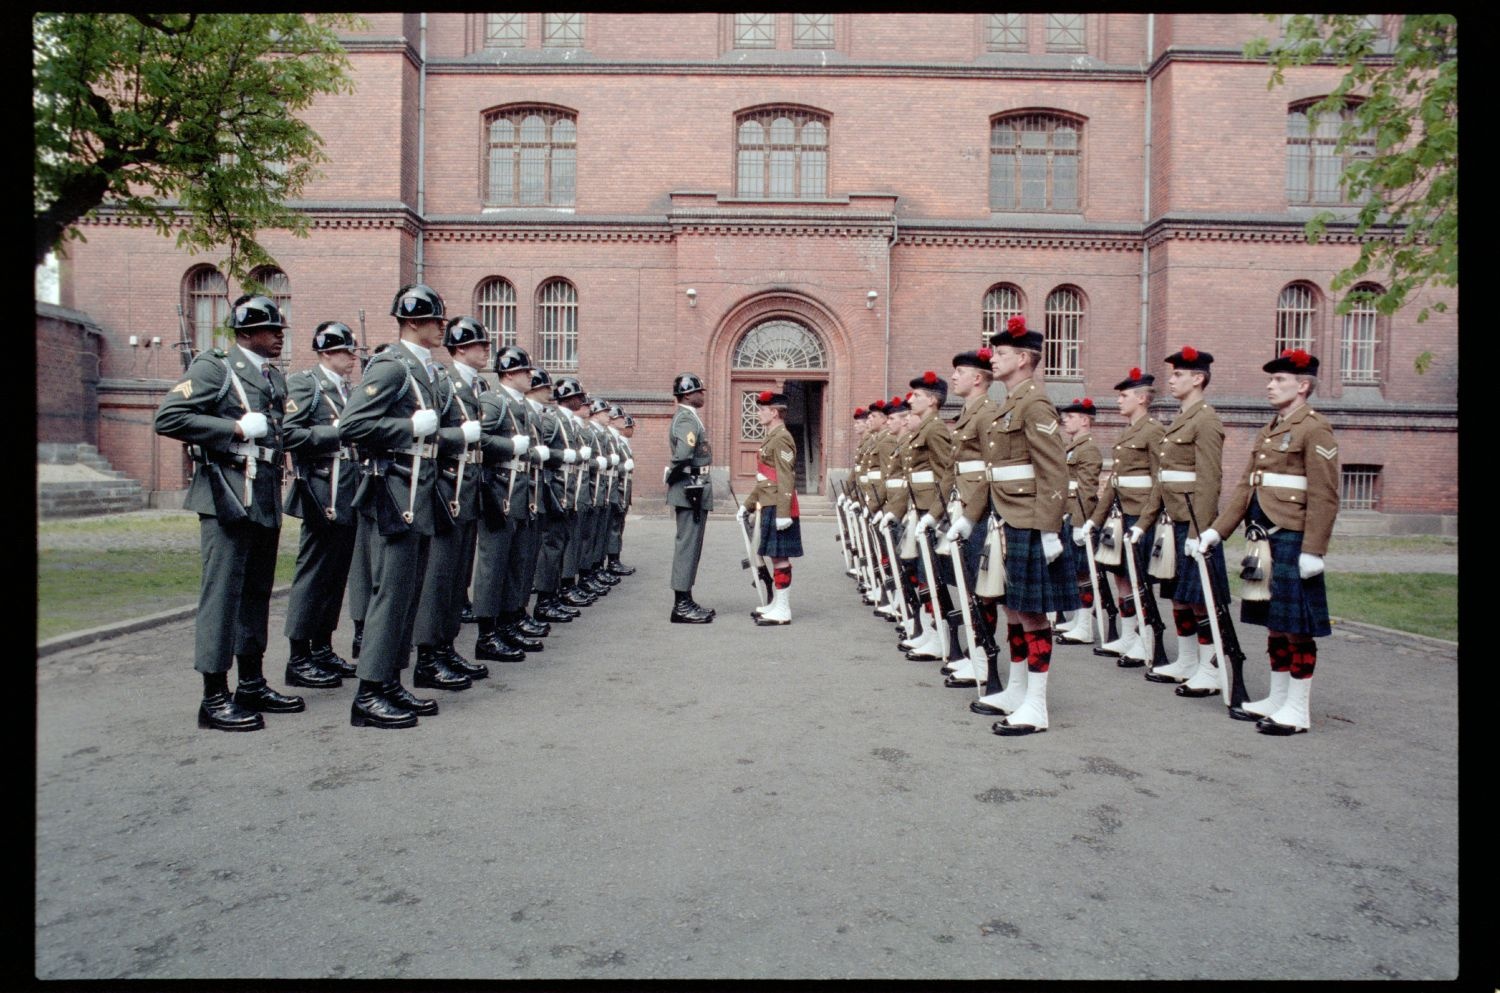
(834, 202)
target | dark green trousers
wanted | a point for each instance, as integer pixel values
(234, 597)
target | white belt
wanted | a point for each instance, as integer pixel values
(1010, 473)
(1178, 476)
(474, 456)
(872, 475)
(1281, 479)
(975, 465)
(761, 477)
(863, 477)
(1133, 482)
(895, 484)
(923, 476)
(516, 465)
(1072, 486)
(427, 451)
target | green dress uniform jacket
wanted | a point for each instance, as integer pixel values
(970, 467)
(1193, 443)
(1084, 463)
(313, 407)
(507, 478)
(1134, 460)
(459, 404)
(929, 465)
(690, 453)
(1027, 433)
(1299, 445)
(779, 452)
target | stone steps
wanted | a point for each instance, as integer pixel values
(76, 481)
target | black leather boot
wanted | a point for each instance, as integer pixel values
(534, 627)
(459, 664)
(575, 596)
(432, 672)
(512, 634)
(302, 670)
(219, 711)
(253, 692)
(684, 611)
(402, 697)
(359, 638)
(326, 658)
(549, 609)
(619, 568)
(491, 648)
(372, 709)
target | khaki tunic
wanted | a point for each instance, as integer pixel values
(1134, 455)
(883, 446)
(1194, 442)
(930, 450)
(1084, 463)
(897, 486)
(778, 453)
(1300, 444)
(969, 433)
(1027, 432)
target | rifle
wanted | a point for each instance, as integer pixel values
(1088, 551)
(760, 576)
(937, 592)
(1145, 601)
(838, 517)
(364, 346)
(981, 638)
(898, 587)
(185, 339)
(1226, 642)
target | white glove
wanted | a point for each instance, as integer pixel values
(471, 432)
(782, 523)
(1135, 535)
(886, 517)
(926, 521)
(570, 456)
(541, 453)
(1208, 539)
(1081, 535)
(1309, 566)
(666, 471)
(253, 425)
(1190, 547)
(614, 459)
(629, 465)
(961, 529)
(1051, 546)
(585, 451)
(741, 512)
(520, 442)
(955, 510)
(423, 423)
(601, 462)
(1088, 528)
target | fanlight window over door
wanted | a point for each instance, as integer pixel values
(780, 345)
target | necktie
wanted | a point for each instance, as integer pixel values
(432, 372)
(343, 391)
(480, 386)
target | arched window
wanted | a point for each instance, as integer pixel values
(1296, 316)
(205, 301)
(1314, 164)
(557, 326)
(780, 344)
(1035, 162)
(1062, 340)
(1001, 303)
(532, 157)
(1360, 344)
(274, 284)
(495, 306)
(781, 153)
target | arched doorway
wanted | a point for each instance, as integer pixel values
(779, 354)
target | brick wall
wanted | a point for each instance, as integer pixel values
(68, 346)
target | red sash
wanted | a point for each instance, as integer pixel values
(770, 473)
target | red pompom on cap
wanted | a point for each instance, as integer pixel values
(1016, 326)
(1189, 353)
(985, 354)
(1087, 403)
(765, 396)
(1298, 357)
(929, 376)
(1135, 372)
(858, 411)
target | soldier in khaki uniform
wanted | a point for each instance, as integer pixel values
(882, 444)
(1290, 491)
(1084, 464)
(774, 498)
(1189, 468)
(1028, 486)
(858, 474)
(1131, 478)
(927, 463)
(230, 409)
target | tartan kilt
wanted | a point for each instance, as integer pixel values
(1297, 605)
(1032, 586)
(1189, 586)
(779, 544)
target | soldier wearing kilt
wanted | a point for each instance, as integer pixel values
(230, 409)
(1028, 486)
(925, 642)
(325, 502)
(1189, 467)
(1128, 485)
(1084, 463)
(774, 498)
(928, 466)
(1289, 491)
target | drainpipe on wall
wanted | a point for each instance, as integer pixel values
(885, 382)
(421, 142)
(1146, 195)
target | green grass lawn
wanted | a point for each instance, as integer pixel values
(1419, 602)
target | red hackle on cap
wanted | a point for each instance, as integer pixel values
(1135, 372)
(929, 377)
(985, 354)
(765, 396)
(1299, 358)
(1189, 353)
(1087, 403)
(1016, 326)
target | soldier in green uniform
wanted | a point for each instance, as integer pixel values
(1190, 469)
(1084, 465)
(230, 408)
(570, 397)
(359, 569)
(1028, 486)
(393, 420)
(689, 494)
(551, 500)
(326, 477)
(774, 499)
(619, 493)
(606, 472)
(1290, 493)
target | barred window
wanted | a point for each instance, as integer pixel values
(532, 157)
(812, 30)
(1034, 162)
(274, 284)
(504, 30)
(1314, 165)
(557, 325)
(1001, 303)
(1359, 346)
(751, 429)
(1296, 314)
(495, 306)
(781, 154)
(1065, 33)
(1007, 33)
(562, 30)
(754, 30)
(1063, 336)
(1359, 487)
(205, 301)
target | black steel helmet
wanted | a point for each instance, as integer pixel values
(597, 404)
(687, 383)
(331, 336)
(254, 313)
(566, 387)
(512, 358)
(539, 378)
(616, 412)
(629, 421)
(464, 331)
(417, 301)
